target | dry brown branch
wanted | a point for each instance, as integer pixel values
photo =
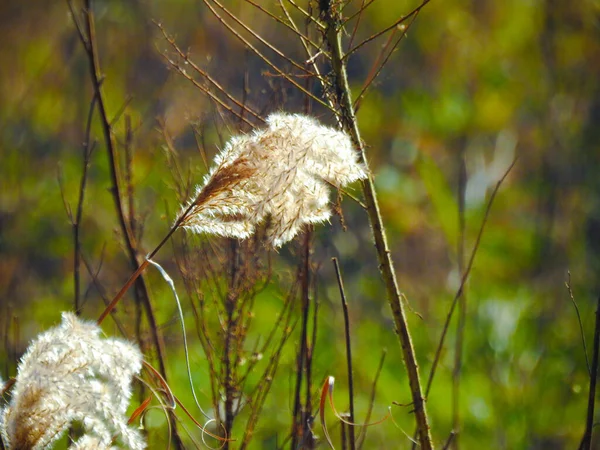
(262, 41)
(385, 30)
(307, 15)
(351, 439)
(463, 280)
(358, 13)
(263, 57)
(206, 76)
(357, 23)
(288, 25)
(572, 297)
(586, 443)
(377, 67)
(350, 124)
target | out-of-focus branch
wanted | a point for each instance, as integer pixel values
(464, 278)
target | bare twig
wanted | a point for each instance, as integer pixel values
(570, 289)
(348, 353)
(263, 57)
(305, 41)
(449, 441)
(263, 41)
(88, 148)
(377, 67)
(586, 444)
(290, 26)
(385, 30)
(185, 57)
(307, 15)
(358, 13)
(363, 6)
(102, 292)
(299, 411)
(465, 276)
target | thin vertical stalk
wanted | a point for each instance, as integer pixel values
(586, 444)
(299, 412)
(348, 353)
(350, 124)
(343, 435)
(229, 351)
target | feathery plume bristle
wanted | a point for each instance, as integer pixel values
(280, 172)
(70, 374)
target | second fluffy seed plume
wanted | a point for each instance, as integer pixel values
(71, 374)
(279, 174)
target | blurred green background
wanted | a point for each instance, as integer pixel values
(473, 85)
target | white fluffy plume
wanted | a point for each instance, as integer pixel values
(280, 173)
(70, 374)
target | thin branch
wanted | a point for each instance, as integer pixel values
(263, 41)
(462, 304)
(88, 149)
(348, 354)
(357, 23)
(308, 16)
(288, 25)
(208, 78)
(94, 66)
(80, 33)
(586, 444)
(264, 58)
(385, 30)
(449, 441)
(312, 59)
(136, 274)
(375, 73)
(299, 412)
(570, 289)
(359, 12)
(102, 292)
(121, 110)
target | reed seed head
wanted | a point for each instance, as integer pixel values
(281, 173)
(70, 374)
